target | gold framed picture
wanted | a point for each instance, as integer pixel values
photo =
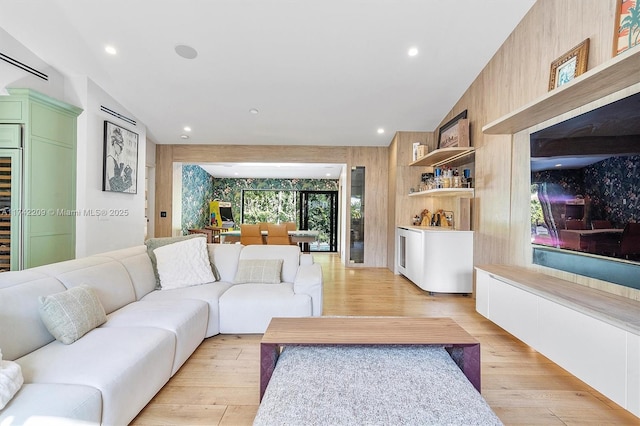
(569, 66)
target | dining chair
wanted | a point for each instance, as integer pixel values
(206, 232)
(263, 226)
(215, 234)
(277, 234)
(291, 226)
(250, 234)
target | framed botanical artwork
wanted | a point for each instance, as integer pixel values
(454, 133)
(569, 66)
(120, 159)
(627, 26)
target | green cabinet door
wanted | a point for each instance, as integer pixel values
(49, 184)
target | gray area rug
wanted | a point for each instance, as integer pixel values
(371, 385)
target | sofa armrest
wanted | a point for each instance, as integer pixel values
(309, 281)
(306, 259)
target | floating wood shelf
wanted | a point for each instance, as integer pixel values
(603, 80)
(443, 156)
(445, 192)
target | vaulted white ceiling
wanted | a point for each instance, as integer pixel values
(319, 72)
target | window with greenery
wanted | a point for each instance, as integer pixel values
(275, 206)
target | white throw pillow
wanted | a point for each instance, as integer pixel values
(267, 271)
(184, 264)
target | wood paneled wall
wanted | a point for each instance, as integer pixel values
(402, 207)
(373, 158)
(516, 75)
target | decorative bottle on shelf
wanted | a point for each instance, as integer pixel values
(438, 178)
(446, 180)
(468, 182)
(456, 179)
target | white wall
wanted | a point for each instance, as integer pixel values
(11, 76)
(92, 235)
(99, 233)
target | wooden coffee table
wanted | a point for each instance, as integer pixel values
(368, 331)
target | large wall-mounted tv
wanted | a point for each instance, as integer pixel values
(585, 189)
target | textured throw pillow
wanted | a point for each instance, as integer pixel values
(267, 271)
(184, 264)
(154, 243)
(71, 314)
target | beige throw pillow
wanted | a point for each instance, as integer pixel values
(71, 314)
(267, 271)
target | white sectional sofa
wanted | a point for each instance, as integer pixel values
(109, 374)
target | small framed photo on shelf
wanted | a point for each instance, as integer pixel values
(569, 66)
(415, 150)
(626, 27)
(455, 133)
(120, 159)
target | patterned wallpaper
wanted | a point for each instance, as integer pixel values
(197, 191)
(199, 187)
(614, 188)
(612, 185)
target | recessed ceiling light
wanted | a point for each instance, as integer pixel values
(184, 136)
(187, 129)
(380, 131)
(253, 111)
(186, 52)
(413, 51)
(328, 174)
(558, 165)
(110, 50)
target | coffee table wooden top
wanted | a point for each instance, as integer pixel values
(366, 331)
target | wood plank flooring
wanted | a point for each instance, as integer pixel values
(219, 384)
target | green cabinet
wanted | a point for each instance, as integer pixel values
(47, 147)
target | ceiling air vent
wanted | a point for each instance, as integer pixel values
(117, 115)
(24, 67)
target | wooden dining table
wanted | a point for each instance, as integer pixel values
(298, 236)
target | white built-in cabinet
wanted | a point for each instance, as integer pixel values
(438, 260)
(593, 335)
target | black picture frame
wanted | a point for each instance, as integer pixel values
(119, 166)
(447, 127)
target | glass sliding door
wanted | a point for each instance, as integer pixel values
(356, 247)
(319, 212)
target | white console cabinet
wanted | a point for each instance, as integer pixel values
(438, 260)
(592, 334)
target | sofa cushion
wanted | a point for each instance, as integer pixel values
(138, 264)
(128, 365)
(225, 258)
(106, 276)
(187, 319)
(70, 314)
(248, 308)
(209, 293)
(184, 264)
(50, 403)
(22, 329)
(266, 271)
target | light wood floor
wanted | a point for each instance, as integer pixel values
(219, 384)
